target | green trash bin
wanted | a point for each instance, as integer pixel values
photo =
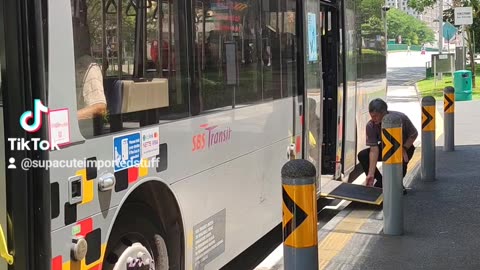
(462, 82)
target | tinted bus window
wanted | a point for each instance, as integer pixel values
(128, 57)
(244, 51)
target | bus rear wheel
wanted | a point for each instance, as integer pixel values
(136, 242)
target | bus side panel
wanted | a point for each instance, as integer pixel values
(95, 232)
(248, 150)
(241, 200)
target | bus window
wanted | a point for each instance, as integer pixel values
(271, 56)
(244, 52)
(127, 69)
(289, 48)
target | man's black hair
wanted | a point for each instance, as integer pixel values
(378, 105)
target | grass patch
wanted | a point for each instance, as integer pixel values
(427, 87)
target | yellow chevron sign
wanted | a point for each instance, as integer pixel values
(449, 103)
(428, 118)
(299, 216)
(392, 152)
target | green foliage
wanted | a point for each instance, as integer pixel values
(370, 9)
(372, 27)
(371, 18)
(410, 28)
(420, 5)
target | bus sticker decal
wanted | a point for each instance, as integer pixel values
(209, 239)
(59, 126)
(150, 142)
(211, 136)
(126, 151)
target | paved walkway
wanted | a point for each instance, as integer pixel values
(441, 218)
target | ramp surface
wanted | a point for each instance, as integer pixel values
(352, 192)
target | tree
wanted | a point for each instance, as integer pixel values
(410, 28)
(448, 15)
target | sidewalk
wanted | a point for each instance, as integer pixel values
(441, 218)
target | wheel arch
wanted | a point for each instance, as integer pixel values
(159, 196)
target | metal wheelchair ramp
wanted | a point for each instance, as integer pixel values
(352, 192)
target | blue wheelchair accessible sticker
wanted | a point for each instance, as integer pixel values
(126, 151)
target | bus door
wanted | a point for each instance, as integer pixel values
(3, 194)
(24, 191)
(312, 81)
(332, 58)
(349, 156)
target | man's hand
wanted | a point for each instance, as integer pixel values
(370, 179)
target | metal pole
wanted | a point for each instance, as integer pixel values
(392, 156)
(463, 48)
(300, 241)
(440, 26)
(449, 118)
(428, 138)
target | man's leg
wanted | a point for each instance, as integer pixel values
(364, 158)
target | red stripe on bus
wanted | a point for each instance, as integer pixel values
(298, 144)
(86, 226)
(132, 174)
(57, 263)
(96, 267)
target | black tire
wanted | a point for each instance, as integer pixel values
(135, 224)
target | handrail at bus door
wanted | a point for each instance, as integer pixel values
(4, 249)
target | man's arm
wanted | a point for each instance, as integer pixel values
(93, 95)
(373, 160)
(410, 140)
(412, 133)
(92, 111)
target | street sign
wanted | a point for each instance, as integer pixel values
(449, 31)
(463, 16)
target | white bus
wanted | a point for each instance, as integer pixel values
(164, 124)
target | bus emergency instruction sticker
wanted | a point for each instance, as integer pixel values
(126, 151)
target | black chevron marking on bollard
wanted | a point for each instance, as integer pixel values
(297, 218)
(428, 120)
(450, 103)
(394, 148)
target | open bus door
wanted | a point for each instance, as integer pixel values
(24, 193)
(332, 59)
(312, 80)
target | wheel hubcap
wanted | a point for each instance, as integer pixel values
(135, 257)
